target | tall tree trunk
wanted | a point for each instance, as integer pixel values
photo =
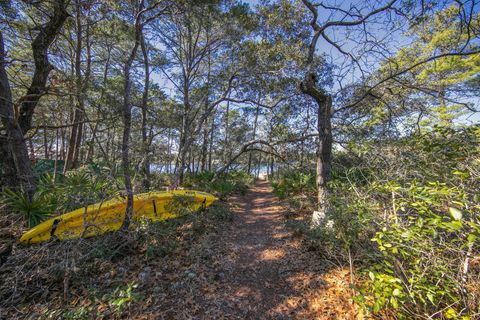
(184, 145)
(324, 128)
(324, 151)
(250, 154)
(45, 141)
(207, 102)
(94, 129)
(62, 147)
(33, 158)
(76, 137)
(127, 117)
(13, 144)
(226, 150)
(55, 164)
(145, 141)
(210, 145)
(204, 149)
(272, 166)
(169, 150)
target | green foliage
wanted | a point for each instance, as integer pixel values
(59, 194)
(423, 246)
(32, 211)
(425, 208)
(121, 298)
(160, 180)
(219, 211)
(158, 239)
(44, 166)
(294, 183)
(225, 184)
(442, 33)
(409, 211)
(117, 300)
(180, 205)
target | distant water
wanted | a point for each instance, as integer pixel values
(170, 167)
(162, 167)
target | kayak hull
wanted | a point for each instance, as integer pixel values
(109, 215)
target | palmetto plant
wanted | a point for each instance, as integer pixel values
(33, 211)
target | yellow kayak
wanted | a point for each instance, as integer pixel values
(108, 216)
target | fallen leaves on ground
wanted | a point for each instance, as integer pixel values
(245, 265)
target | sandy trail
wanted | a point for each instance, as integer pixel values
(265, 273)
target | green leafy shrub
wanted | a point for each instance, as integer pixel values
(61, 193)
(160, 180)
(293, 182)
(158, 238)
(427, 220)
(222, 188)
(406, 213)
(121, 298)
(223, 185)
(424, 248)
(219, 211)
(33, 211)
(180, 205)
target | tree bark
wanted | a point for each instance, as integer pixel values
(210, 144)
(76, 135)
(46, 35)
(145, 141)
(14, 162)
(127, 123)
(324, 152)
(12, 140)
(207, 102)
(324, 128)
(253, 138)
(127, 116)
(226, 150)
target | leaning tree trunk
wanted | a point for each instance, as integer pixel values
(13, 144)
(46, 33)
(40, 45)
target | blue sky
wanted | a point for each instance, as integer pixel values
(396, 40)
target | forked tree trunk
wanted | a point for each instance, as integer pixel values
(40, 45)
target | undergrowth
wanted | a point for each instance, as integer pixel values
(223, 185)
(110, 272)
(406, 214)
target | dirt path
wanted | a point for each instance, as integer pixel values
(263, 272)
(250, 267)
